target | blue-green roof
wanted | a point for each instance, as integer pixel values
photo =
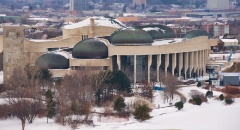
(90, 49)
(53, 61)
(131, 37)
(196, 33)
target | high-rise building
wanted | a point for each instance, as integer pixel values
(139, 2)
(218, 4)
(78, 5)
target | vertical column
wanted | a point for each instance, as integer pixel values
(158, 65)
(205, 60)
(135, 66)
(166, 63)
(149, 65)
(110, 67)
(199, 63)
(203, 63)
(195, 61)
(180, 58)
(185, 64)
(173, 62)
(191, 63)
(119, 61)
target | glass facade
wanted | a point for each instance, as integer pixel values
(114, 63)
(127, 66)
(141, 68)
(153, 69)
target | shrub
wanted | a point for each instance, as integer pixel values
(141, 113)
(231, 90)
(209, 94)
(199, 84)
(179, 105)
(107, 109)
(198, 101)
(141, 101)
(190, 101)
(221, 97)
(229, 101)
(5, 111)
(119, 104)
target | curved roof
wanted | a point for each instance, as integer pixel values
(130, 36)
(98, 21)
(158, 31)
(90, 49)
(53, 61)
(196, 33)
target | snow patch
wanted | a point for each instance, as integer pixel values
(98, 21)
(153, 28)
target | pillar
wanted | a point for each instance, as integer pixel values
(111, 63)
(149, 65)
(135, 68)
(166, 63)
(191, 55)
(195, 62)
(185, 64)
(174, 57)
(119, 62)
(158, 65)
(180, 66)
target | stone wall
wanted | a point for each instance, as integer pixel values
(13, 53)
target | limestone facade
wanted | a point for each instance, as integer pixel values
(186, 58)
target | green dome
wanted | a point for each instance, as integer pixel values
(90, 49)
(196, 33)
(130, 36)
(158, 31)
(53, 61)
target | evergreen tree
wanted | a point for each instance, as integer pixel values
(121, 81)
(199, 84)
(221, 97)
(119, 104)
(141, 113)
(179, 105)
(50, 104)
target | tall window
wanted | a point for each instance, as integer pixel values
(84, 37)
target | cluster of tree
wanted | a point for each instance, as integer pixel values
(108, 84)
(32, 90)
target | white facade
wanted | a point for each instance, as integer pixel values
(230, 42)
(218, 4)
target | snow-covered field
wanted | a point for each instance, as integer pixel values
(214, 115)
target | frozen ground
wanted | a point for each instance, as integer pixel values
(214, 115)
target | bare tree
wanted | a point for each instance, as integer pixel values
(147, 91)
(75, 95)
(171, 85)
(24, 94)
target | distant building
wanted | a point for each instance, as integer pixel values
(180, 31)
(218, 4)
(139, 2)
(78, 5)
(216, 29)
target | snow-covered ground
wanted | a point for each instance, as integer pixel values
(213, 115)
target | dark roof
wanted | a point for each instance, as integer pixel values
(53, 61)
(159, 31)
(196, 33)
(130, 36)
(90, 49)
